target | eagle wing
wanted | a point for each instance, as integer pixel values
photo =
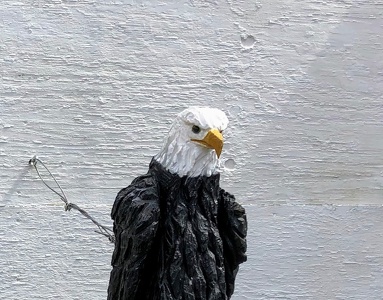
(136, 216)
(232, 224)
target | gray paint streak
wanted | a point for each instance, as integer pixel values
(92, 86)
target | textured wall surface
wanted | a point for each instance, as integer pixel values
(91, 87)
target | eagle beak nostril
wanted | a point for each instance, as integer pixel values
(212, 140)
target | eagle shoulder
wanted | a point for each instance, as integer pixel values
(136, 215)
(232, 224)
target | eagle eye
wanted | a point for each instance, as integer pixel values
(196, 129)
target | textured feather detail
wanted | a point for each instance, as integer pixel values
(182, 156)
(176, 238)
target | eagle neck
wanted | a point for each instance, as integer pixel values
(168, 179)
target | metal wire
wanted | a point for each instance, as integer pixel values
(105, 231)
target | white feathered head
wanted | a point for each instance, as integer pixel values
(194, 143)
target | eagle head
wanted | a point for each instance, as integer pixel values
(194, 143)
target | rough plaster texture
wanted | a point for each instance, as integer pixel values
(92, 86)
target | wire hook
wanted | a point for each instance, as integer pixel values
(34, 161)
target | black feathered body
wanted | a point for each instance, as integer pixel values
(176, 238)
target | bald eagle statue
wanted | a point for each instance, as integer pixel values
(178, 234)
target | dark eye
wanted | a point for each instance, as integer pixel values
(196, 129)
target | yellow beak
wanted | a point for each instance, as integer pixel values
(212, 140)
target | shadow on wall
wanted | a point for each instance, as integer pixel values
(17, 183)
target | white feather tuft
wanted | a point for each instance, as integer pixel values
(180, 154)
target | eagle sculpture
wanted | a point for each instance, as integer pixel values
(178, 234)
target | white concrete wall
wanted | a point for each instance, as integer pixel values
(91, 88)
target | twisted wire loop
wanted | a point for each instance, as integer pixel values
(105, 231)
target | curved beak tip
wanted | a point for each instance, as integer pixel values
(213, 140)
